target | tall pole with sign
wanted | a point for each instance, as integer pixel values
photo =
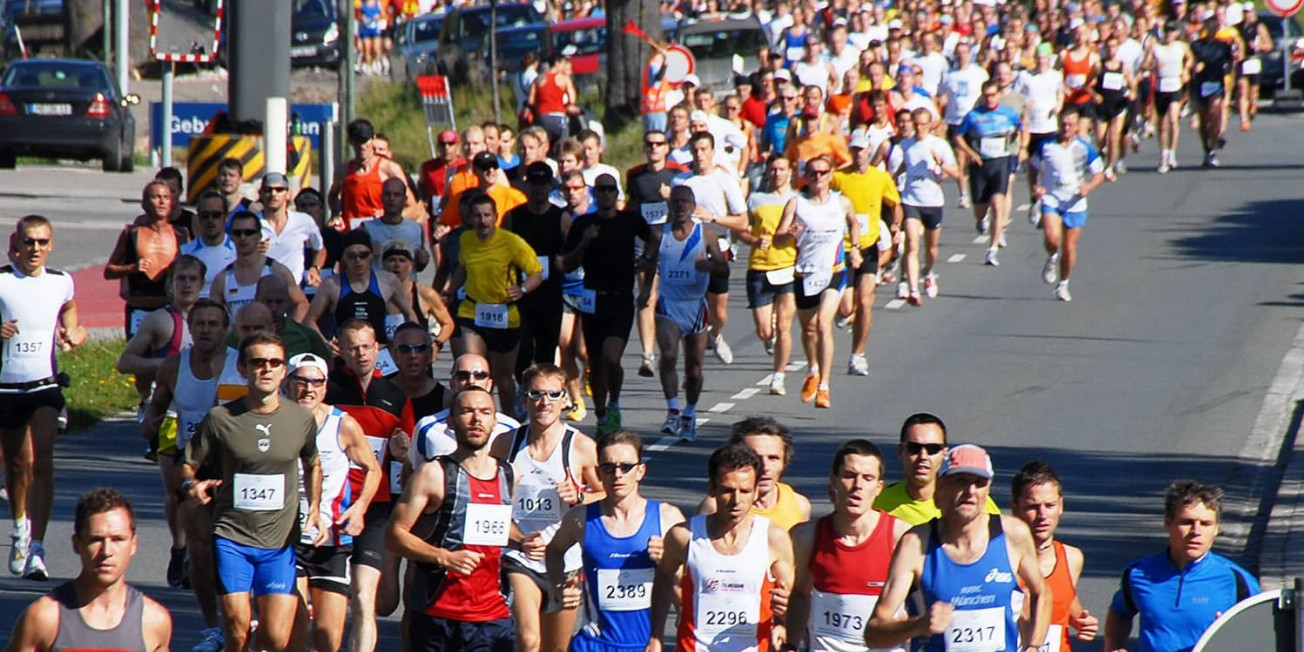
(493, 59)
(170, 48)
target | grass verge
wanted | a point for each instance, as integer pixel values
(98, 391)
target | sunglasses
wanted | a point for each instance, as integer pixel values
(210, 215)
(311, 382)
(34, 242)
(653, 143)
(552, 396)
(245, 233)
(818, 173)
(914, 448)
(576, 188)
(625, 468)
(412, 348)
(358, 255)
(478, 374)
(270, 363)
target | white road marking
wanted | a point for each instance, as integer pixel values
(745, 394)
(1022, 207)
(956, 258)
(793, 366)
(982, 239)
(895, 304)
(765, 380)
(720, 408)
(666, 442)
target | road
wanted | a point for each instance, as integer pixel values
(1185, 302)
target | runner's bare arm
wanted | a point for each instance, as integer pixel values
(438, 310)
(785, 232)
(1023, 557)
(165, 381)
(323, 302)
(803, 540)
(883, 629)
(158, 626)
(782, 569)
(297, 298)
(152, 335)
(36, 628)
(584, 452)
(71, 332)
(715, 262)
(666, 582)
(570, 532)
(117, 267)
(424, 493)
(396, 297)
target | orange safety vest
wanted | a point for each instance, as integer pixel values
(654, 96)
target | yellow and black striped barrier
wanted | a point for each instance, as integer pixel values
(208, 150)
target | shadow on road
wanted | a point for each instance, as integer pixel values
(1260, 232)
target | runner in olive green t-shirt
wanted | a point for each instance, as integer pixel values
(257, 442)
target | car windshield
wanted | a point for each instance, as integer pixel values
(311, 9)
(587, 41)
(55, 75)
(517, 41)
(508, 16)
(724, 43)
(426, 30)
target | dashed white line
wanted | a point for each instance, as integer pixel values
(1022, 207)
(956, 258)
(793, 366)
(765, 380)
(895, 304)
(982, 239)
(668, 441)
(719, 408)
(745, 394)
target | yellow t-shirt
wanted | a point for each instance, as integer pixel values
(867, 192)
(786, 511)
(766, 213)
(895, 501)
(491, 267)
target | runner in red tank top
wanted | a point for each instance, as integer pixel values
(355, 194)
(842, 559)
(1038, 501)
(552, 98)
(1081, 66)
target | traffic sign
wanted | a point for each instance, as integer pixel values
(1284, 8)
(192, 118)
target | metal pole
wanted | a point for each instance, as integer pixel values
(274, 134)
(121, 31)
(1286, 42)
(169, 71)
(348, 102)
(493, 59)
(327, 160)
(106, 33)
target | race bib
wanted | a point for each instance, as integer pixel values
(134, 317)
(781, 276)
(545, 263)
(385, 363)
(813, 284)
(976, 630)
(1054, 639)
(679, 275)
(993, 147)
(588, 301)
(1075, 81)
(1251, 67)
(863, 220)
(1170, 84)
(654, 213)
(395, 477)
(1207, 89)
(491, 315)
(1112, 81)
(392, 322)
(28, 345)
(625, 589)
(357, 222)
(487, 525)
(259, 493)
(734, 615)
(539, 503)
(841, 617)
(378, 446)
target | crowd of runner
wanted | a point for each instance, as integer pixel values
(304, 314)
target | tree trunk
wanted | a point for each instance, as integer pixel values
(626, 55)
(82, 32)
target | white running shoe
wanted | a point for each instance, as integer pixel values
(903, 290)
(1120, 167)
(858, 365)
(18, 549)
(991, 257)
(930, 286)
(645, 368)
(844, 321)
(722, 350)
(36, 569)
(1050, 273)
(1000, 242)
(1062, 292)
(964, 201)
(1034, 213)
(213, 641)
(776, 385)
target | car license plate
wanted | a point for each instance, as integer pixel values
(303, 51)
(49, 109)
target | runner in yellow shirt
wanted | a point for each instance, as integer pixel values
(921, 451)
(770, 268)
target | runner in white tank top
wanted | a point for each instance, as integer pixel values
(819, 219)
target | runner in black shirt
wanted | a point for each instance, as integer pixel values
(1213, 59)
(543, 225)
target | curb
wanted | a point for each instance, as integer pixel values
(1280, 559)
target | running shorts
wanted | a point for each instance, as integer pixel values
(761, 288)
(16, 410)
(989, 179)
(326, 567)
(246, 569)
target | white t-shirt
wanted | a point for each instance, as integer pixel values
(932, 67)
(963, 88)
(922, 161)
(718, 193)
(1064, 168)
(35, 303)
(1041, 94)
(433, 437)
(286, 248)
(591, 176)
(1131, 53)
(215, 258)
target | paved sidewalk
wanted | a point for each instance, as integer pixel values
(1281, 557)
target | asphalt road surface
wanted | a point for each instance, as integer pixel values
(1185, 301)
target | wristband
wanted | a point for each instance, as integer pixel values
(187, 484)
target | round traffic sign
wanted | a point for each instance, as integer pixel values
(1284, 8)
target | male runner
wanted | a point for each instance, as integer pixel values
(732, 560)
(818, 219)
(682, 255)
(842, 559)
(720, 203)
(556, 468)
(925, 159)
(257, 443)
(385, 414)
(1038, 500)
(988, 137)
(359, 291)
(870, 190)
(434, 435)
(97, 609)
(292, 238)
(458, 600)
(621, 541)
(648, 185)
(1069, 169)
(770, 268)
(1180, 591)
(322, 568)
(212, 244)
(1213, 59)
(964, 565)
(772, 442)
(603, 243)
(1042, 89)
(413, 350)
(273, 292)
(391, 225)
(959, 91)
(186, 388)
(237, 284)
(921, 449)
(543, 226)
(1171, 61)
(37, 314)
(230, 176)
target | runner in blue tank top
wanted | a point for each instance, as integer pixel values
(621, 539)
(965, 564)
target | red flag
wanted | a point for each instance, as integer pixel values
(633, 30)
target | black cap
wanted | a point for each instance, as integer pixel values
(484, 161)
(538, 172)
(357, 237)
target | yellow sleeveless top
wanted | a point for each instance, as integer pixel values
(786, 511)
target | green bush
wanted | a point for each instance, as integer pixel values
(98, 391)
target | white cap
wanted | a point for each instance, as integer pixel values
(1076, 23)
(310, 361)
(1249, 6)
(570, 50)
(692, 78)
(698, 116)
(784, 74)
(895, 23)
(859, 139)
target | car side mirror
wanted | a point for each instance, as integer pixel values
(131, 99)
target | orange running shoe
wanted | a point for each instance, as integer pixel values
(808, 388)
(822, 398)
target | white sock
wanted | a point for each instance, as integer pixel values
(778, 377)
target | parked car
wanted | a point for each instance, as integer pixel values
(65, 108)
(462, 33)
(418, 43)
(315, 33)
(513, 43)
(1292, 42)
(714, 43)
(589, 36)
